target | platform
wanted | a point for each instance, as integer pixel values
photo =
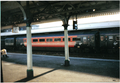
(49, 68)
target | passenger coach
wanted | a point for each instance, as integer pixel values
(55, 42)
(78, 41)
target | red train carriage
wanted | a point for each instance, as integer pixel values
(76, 42)
(50, 43)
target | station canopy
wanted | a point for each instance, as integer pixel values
(38, 11)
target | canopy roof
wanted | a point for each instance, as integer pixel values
(43, 10)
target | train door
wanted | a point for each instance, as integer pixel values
(97, 41)
(20, 44)
(102, 41)
(85, 40)
(110, 41)
(14, 41)
(77, 40)
(85, 44)
(116, 42)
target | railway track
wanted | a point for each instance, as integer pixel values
(84, 55)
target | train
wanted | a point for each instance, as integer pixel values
(102, 40)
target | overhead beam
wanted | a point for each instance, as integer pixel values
(57, 19)
(77, 9)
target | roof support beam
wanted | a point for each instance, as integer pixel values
(53, 10)
(23, 11)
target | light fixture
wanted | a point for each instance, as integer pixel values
(93, 10)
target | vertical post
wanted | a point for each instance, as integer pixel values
(29, 52)
(29, 46)
(1, 72)
(0, 48)
(67, 60)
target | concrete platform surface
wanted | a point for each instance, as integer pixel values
(51, 69)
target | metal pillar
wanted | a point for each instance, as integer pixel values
(67, 60)
(1, 54)
(1, 72)
(29, 52)
(29, 46)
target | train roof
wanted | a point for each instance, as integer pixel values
(69, 34)
(110, 32)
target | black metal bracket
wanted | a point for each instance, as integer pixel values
(65, 18)
(26, 14)
(22, 9)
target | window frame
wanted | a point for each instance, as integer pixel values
(35, 39)
(42, 39)
(57, 41)
(73, 39)
(49, 39)
(69, 39)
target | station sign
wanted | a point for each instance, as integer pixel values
(15, 30)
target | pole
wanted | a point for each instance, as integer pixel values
(29, 52)
(67, 60)
(1, 72)
(29, 46)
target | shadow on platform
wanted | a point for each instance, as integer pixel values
(27, 79)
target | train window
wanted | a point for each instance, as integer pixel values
(35, 40)
(110, 38)
(68, 39)
(57, 39)
(117, 38)
(101, 38)
(10, 41)
(6, 41)
(85, 40)
(76, 39)
(49, 40)
(41, 40)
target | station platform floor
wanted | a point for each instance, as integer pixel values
(48, 68)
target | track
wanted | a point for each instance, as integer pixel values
(84, 55)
